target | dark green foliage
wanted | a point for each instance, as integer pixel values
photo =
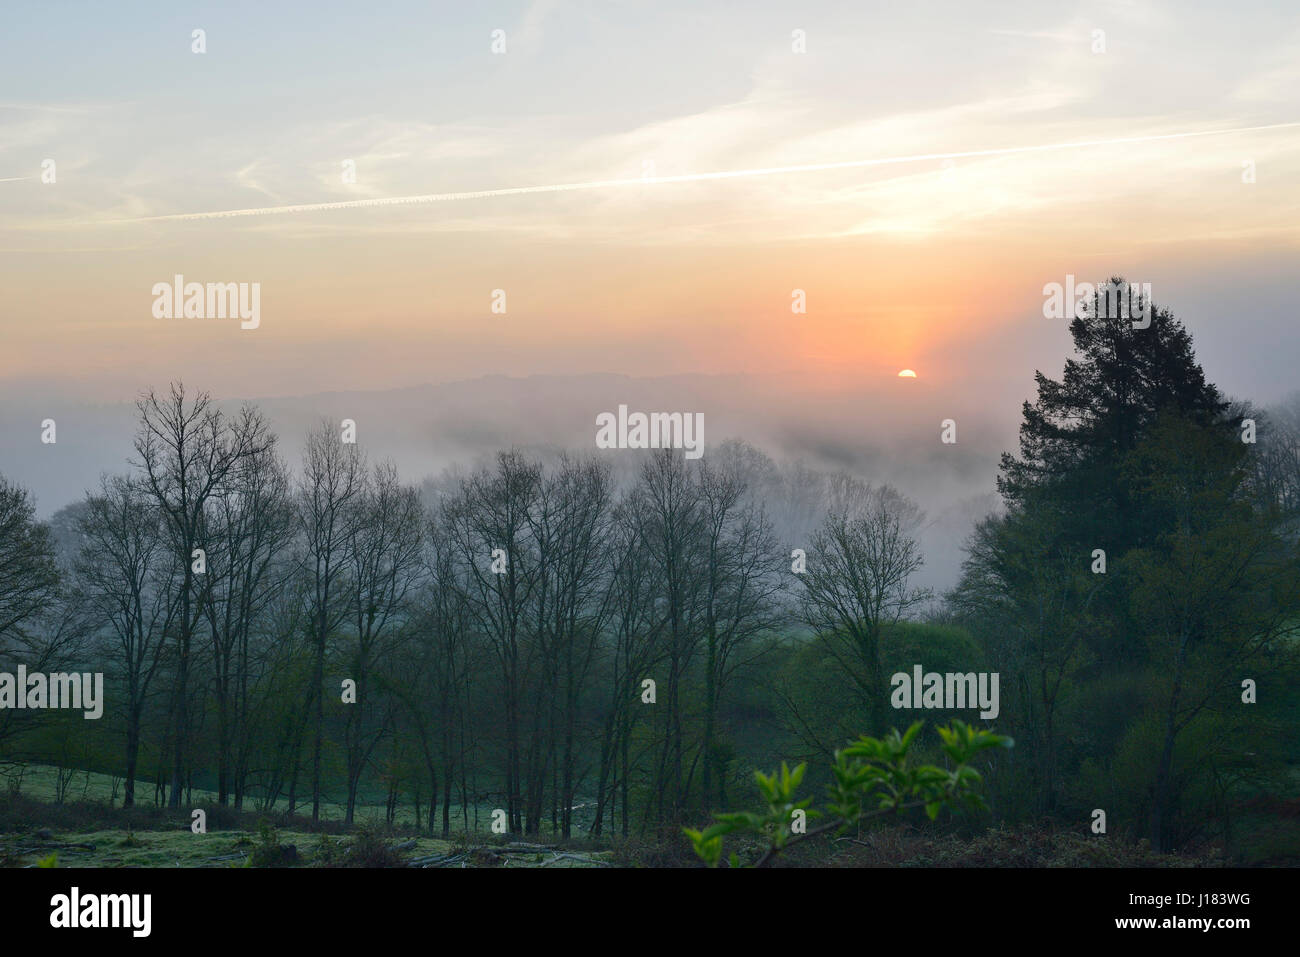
(871, 777)
(1077, 434)
(269, 852)
(1124, 682)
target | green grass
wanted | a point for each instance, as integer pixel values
(40, 783)
(172, 848)
(33, 827)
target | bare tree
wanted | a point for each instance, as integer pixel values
(634, 626)
(675, 531)
(1275, 466)
(575, 524)
(332, 483)
(432, 681)
(489, 522)
(741, 586)
(187, 452)
(128, 577)
(385, 557)
(252, 522)
(857, 580)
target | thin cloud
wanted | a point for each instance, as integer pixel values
(1036, 35)
(686, 177)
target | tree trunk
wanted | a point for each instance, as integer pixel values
(1165, 766)
(132, 757)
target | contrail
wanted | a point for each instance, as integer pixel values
(13, 179)
(685, 177)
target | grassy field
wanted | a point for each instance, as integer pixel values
(116, 848)
(89, 828)
(40, 783)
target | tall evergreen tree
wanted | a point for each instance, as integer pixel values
(1075, 435)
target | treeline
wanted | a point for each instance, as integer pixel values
(606, 651)
(534, 635)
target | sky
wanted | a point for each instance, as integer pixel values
(985, 150)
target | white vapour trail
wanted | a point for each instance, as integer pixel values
(686, 177)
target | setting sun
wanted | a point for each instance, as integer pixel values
(907, 374)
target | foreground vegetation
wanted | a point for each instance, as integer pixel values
(91, 835)
(89, 831)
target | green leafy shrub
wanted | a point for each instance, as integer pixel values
(269, 852)
(369, 847)
(872, 778)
